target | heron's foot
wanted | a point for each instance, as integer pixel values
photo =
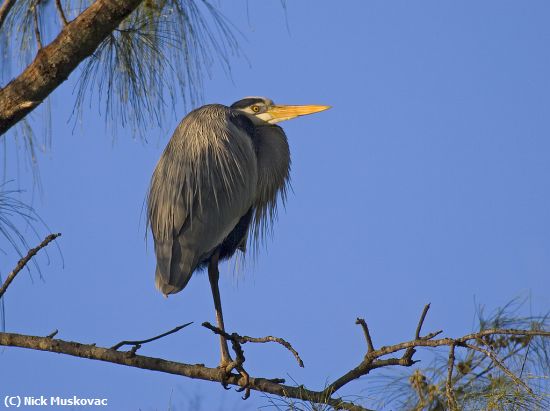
(243, 382)
(227, 365)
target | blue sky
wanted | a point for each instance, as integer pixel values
(428, 181)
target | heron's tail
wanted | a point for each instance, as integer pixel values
(165, 287)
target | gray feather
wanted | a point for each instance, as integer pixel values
(273, 159)
(203, 184)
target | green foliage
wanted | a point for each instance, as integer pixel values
(14, 214)
(159, 54)
(290, 404)
(478, 383)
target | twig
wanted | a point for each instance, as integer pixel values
(36, 28)
(431, 335)
(509, 373)
(5, 9)
(61, 12)
(269, 338)
(451, 398)
(421, 322)
(22, 262)
(363, 324)
(52, 334)
(410, 352)
(242, 339)
(372, 358)
(138, 343)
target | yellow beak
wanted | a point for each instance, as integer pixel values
(282, 113)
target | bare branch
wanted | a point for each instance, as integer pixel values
(363, 324)
(140, 342)
(269, 338)
(242, 339)
(197, 371)
(421, 321)
(373, 360)
(21, 264)
(52, 334)
(410, 352)
(458, 341)
(431, 335)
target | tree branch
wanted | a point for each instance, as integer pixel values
(196, 371)
(21, 264)
(410, 352)
(54, 63)
(363, 324)
(373, 360)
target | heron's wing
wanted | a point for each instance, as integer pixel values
(203, 185)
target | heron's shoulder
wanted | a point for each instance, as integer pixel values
(216, 118)
(211, 119)
(208, 112)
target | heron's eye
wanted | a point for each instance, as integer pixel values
(255, 109)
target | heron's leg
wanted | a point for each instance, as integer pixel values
(213, 276)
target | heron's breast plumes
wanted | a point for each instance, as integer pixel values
(273, 159)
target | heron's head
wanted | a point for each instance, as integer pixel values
(263, 110)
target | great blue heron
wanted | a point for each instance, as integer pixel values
(219, 176)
